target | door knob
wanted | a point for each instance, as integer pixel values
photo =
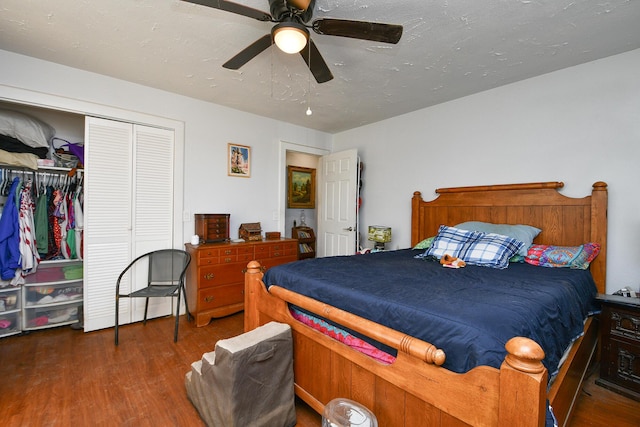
(348, 229)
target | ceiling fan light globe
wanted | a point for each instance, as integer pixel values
(290, 37)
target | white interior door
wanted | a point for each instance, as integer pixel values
(107, 217)
(153, 194)
(337, 204)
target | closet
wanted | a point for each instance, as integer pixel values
(129, 181)
(51, 294)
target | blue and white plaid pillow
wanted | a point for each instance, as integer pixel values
(452, 241)
(474, 247)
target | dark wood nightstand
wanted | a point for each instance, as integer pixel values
(620, 345)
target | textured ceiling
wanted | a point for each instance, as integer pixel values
(449, 49)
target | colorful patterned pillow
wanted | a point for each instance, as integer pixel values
(474, 247)
(425, 244)
(578, 257)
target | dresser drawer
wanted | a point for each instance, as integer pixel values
(624, 324)
(267, 263)
(208, 256)
(220, 296)
(621, 364)
(283, 249)
(220, 274)
(261, 251)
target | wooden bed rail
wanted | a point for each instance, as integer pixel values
(407, 344)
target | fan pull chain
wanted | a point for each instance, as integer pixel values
(271, 57)
(309, 112)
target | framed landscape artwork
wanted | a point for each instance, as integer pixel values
(239, 160)
(301, 188)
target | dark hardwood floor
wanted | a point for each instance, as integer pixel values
(63, 377)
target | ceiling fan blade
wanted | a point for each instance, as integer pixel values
(248, 53)
(387, 33)
(318, 67)
(234, 8)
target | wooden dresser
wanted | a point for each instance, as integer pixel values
(215, 278)
(620, 345)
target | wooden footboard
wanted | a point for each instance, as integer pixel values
(414, 389)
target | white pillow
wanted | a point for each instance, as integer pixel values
(29, 130)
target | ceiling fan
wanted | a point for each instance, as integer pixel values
(291, 32)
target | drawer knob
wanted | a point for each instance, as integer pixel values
(227, 260)
(208, 298)
(227, 252)
(209, 276)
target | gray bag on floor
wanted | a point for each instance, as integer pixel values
(247, 380)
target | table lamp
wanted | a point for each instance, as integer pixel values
(379, 234)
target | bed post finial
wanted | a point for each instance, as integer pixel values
(600, 186)
(525, 355)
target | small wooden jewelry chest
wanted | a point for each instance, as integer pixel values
(212, 227)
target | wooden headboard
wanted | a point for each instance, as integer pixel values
(563, 220)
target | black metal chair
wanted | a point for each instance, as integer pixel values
(165, 278)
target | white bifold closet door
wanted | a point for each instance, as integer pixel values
(128, 211)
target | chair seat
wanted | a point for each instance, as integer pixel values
(154, 291)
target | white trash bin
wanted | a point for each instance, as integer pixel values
(347, 413)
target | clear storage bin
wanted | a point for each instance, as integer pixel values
(9, 299)
(48, 316)
(52, 294)
(9, 323)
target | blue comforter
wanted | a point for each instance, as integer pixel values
(469, 312)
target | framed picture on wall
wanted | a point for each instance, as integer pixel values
(301, 187)
(239, 160)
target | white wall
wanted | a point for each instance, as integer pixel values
(207, 130)
(579, 125)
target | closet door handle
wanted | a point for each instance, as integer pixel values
(348, 229)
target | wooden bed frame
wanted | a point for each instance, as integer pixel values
(415, 390)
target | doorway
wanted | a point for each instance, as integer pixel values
(342, 243)
(297, 155)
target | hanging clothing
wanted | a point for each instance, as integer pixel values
(63, 221)
(79, 222)
(42, 223)
(53, 198)
(10, 235)
(28, 248)
(71, 225)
